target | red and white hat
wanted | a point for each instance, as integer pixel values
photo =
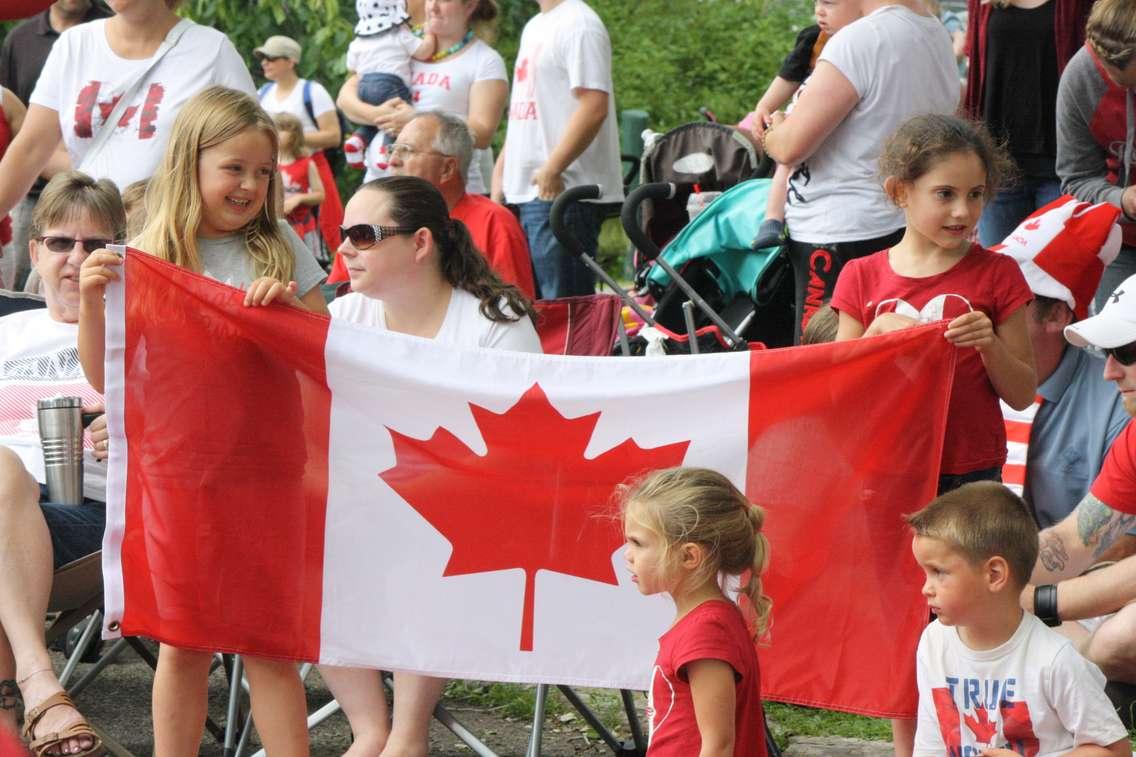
(1063, 248)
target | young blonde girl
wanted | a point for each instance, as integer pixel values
(211, 209)
(303, 189)
(686, 528)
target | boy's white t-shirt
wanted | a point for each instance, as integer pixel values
(294, 103)
(901, 65)
(463, 326)
(564, 49)
(1034, 694)
(83, 78)
(445, 85)
(384, 53)
(39, 358)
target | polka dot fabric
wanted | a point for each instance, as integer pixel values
(377, 16)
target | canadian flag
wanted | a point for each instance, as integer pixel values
(300, 488)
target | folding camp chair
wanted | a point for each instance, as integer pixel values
(586, 325)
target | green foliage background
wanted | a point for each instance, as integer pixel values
(670, 56)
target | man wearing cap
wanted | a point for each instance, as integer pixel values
(1104, 515)
(438, 147)
(1056, 446)
(310, 102)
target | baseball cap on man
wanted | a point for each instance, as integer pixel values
(1113, 326)
(279, 46)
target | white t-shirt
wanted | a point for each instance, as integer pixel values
(564, 49)
(294, 103)
(384, 53)
(1034, 694)
(902, 65)
(39, 358)
(445, 85)
(464, 326)
(83, 78)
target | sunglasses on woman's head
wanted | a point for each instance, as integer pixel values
(1125, 354)
(66, 244)
(364, 235)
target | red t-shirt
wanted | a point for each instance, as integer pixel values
(1116, 483)
(295, 177)
(498, 234)
(713, 630)
(988, 281)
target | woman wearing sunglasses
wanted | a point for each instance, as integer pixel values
(415, 271)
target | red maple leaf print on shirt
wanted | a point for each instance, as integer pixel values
(533, 502)
(981, 726)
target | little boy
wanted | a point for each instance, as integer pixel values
(994, 681)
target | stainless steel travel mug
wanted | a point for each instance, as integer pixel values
(61, 432)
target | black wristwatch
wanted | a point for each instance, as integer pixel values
(1045, 604)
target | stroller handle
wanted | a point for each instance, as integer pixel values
(560, 206)
(629, 217)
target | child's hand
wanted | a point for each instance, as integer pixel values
(99, 268)
(291, 203)
(885, 323)
(267, 289)
(973, 329)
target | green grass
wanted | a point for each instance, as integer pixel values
(788, 720)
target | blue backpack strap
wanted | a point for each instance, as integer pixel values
(308, 102)
(260, 93)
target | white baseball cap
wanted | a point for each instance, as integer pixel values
(1113, 326)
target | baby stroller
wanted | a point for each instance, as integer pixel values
(695, 157)
(742, 294)
(726, 296)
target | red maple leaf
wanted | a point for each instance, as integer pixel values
(523, 70)
(533, 502)
(1033, 225)
(980, 725)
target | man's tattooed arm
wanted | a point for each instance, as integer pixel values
(1099, 526)
(1068, 547)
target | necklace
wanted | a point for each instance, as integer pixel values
(443, 54)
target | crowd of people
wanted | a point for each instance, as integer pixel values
(894, 180)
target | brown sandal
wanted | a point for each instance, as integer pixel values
(49, 744)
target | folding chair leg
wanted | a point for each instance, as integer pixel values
(633, 721)
(538, 720)
(106, 659)
(232, 718)
(85, 640)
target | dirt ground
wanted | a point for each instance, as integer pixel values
(118, 703)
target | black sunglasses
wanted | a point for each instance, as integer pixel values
(1125, 354)
(365, 235)
(66, 244)
(271, 58)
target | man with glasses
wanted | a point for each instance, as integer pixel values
(1106, 513)
(438, 147)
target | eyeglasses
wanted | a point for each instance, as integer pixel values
(401, 150)
(366, 235)
(66, 244)
(1125, 354)
(270, 58)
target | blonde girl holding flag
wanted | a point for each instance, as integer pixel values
(212, 209)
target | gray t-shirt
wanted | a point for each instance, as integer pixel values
(224, 259)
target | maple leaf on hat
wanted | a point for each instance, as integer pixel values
(532, 502)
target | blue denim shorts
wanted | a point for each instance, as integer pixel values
(76, 530)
